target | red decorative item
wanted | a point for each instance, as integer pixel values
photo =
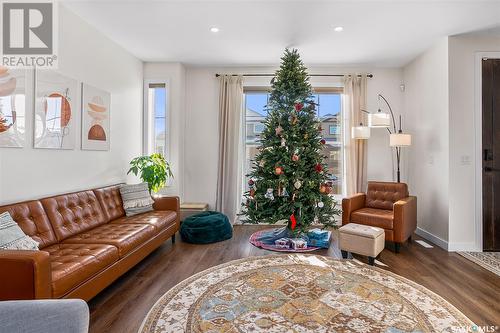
(295, 157)
(252, 193)
(328, 190)
(293, 220)
(278, 170)
(318, 168)
(323, 188)
(322, 141)
(251, 182)
(298, 106)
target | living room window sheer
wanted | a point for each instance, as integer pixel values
(329, 111)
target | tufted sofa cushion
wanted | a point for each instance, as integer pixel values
(73, 213)
(32, 219)
(111, 202)
(382, 195)
(125, 237)
(72, 264)
(160, 219)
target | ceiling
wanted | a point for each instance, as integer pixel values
(376, 33)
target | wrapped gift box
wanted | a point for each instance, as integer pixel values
(282, 243)
(298, 243)
(319, 238)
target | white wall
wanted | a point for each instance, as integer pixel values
(463, 155)
(426, 114)
(174, 74)
(201, 132)
(85, 55)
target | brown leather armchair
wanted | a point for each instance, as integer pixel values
(385, 205)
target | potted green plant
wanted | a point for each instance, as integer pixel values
(152, 169)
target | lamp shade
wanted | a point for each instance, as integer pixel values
(379, 119)
(400, 140)
(360, 132)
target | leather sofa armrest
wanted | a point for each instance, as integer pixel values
(169, 203)
(405, 218)
(25, 275)
(350, 204)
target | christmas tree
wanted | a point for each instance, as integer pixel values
(289, 180)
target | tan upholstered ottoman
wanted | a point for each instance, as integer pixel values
(361, 239)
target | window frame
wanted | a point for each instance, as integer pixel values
(148, 119)
(316, 90)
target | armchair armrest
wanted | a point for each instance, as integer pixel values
(405, 218)
(25, 275)
(350, 204)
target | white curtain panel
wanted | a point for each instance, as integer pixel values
(355, 150)
(229, 178)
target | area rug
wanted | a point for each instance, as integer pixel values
(256, 240)
(487, 260)
(301, 293)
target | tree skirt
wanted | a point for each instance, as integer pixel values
(265, 239)
(301, 293)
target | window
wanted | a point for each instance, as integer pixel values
(156, 132)
(329, 111)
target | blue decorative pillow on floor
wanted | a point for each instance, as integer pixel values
(206, 227)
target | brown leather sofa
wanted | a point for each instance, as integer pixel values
(86, 242)
(385, 205)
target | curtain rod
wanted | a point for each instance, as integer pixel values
(270, 75)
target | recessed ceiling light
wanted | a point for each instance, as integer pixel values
(338, 29)
(214, 29)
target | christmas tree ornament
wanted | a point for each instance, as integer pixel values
(293, 221)
(283, 142)
(322, 141)
(328, 190)
(298, 106)
(297, 184)
(320, 128)
(295, 157)
(278, 170)
(262, 163)
(322, 188)
(279, 130)
(306, 136)
(269, 194)
(251, 182)
(285, 192)
(321, 204)
(252, 193)
(318, 167)
(293, 120)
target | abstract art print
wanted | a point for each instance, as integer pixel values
(55, 110)
(95, 118)
(13, 83)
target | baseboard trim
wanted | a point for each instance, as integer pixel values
(463, 247)
(432, 238)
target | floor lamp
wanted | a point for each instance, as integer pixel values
(397, 138)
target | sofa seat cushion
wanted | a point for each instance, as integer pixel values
(126, 237)
(374, 217)
(72, 264)
(160, 219)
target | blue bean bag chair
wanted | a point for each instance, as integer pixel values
(206, 227)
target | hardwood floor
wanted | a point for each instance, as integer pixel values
(123, 305)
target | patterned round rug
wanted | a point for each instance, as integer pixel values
(301, 293)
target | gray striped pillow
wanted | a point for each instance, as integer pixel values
(136, 199)
(12, 236)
